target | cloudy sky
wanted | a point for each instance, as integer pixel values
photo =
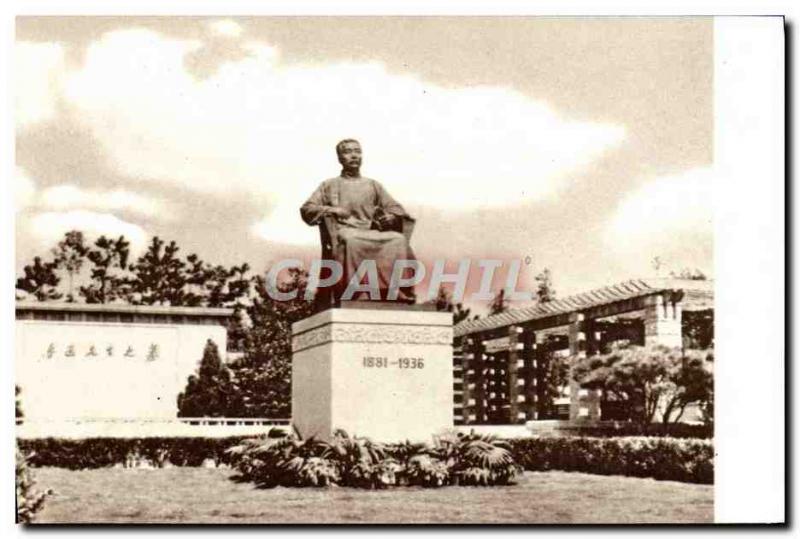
(585, 145)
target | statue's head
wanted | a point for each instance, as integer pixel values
(349, 153)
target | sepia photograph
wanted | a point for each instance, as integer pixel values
(367, 269)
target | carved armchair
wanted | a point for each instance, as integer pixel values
(328, 297)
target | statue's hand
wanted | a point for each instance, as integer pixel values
(339, 212)
(386, 220)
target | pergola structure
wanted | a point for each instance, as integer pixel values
(501, 361)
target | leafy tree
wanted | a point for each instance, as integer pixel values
(707, 407)
(159, 275)
(544, 286)
(499, 304)
(697, 328)
(650, 381)
(263, 373)
(692, 274)
(556, 373)
(70, 254)
(210, 392)
(109, 260)
(40, 280)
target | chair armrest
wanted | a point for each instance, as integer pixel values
(407, 227)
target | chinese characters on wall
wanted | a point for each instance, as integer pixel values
(149, 352)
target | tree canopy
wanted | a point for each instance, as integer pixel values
(210, 392)
(652, 382)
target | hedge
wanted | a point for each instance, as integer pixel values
(675, 459)
(615, 429)
(80, 454)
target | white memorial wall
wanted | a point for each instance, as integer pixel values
(108, 362)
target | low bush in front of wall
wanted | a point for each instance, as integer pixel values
(360, 462)
(453, 459)
(77, 454)
(613, 429)
(676, 459)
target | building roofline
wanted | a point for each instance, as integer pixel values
(606, 295)
(118, 308)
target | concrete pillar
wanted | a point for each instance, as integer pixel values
(540, 367)
(459, 381)
(584, 404)
(479, 366)
(514, 375)
(468, 378)
(662, 321)
(529, 386)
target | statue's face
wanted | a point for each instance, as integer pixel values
(350, 155)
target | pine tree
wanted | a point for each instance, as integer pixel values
(498, 303)
(442, 301)
(109, 260)
(263, 374)
(223, 287)
(462, 313)
(159, 275)
(40, 280)
(544, 287)
(69, 255)
(210, 392)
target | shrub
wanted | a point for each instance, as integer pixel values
(424, 471)
(687, 460)
(473, 459)
(77, 454)
(287, 461)
(291, 461)
(615, 429)
(359, 462)
(30, 500)
(275, 459)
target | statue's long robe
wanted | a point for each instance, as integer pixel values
(362, 198)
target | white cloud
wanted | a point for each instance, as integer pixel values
(49, 227)
(38, 73)
(71, 196)
(226, 28)
(670, 217)
(283, 225)
(267, 129)
(24, 189)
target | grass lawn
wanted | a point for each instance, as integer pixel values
(199, 495)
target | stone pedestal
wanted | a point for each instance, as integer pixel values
(382, 373)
